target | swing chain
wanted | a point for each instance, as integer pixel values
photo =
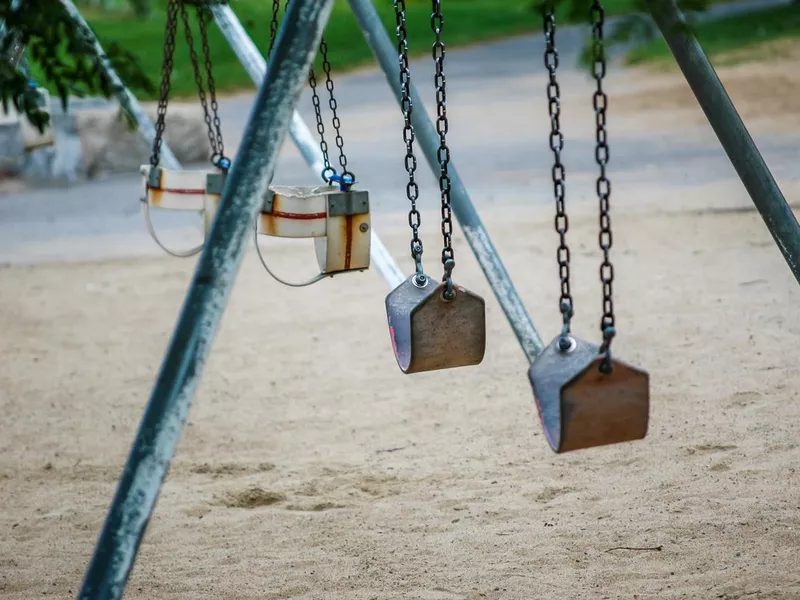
(166, 73)
(273, 27)
(214, 137)
(326, 66)
(412, 188)
(328, 171)
(217, 144)
(600, 103)
(559, 173)
(443, 153)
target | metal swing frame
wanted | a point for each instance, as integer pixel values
(273, 116)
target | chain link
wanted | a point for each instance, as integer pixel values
(600, 103)
(166, 73)
(443, 153)
(412, 189)
(566, 304)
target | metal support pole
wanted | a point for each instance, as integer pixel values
(218, 265)
(126, 99)
(256, 67)
(477, 237)
(730, 130)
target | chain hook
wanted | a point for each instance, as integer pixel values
(449, 291)
(345, 180)
(222, 163)
(605, 350)
(565, 343)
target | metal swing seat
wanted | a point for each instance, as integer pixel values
(584, 396)
(432, 325)
(430, 331)
(338, 221)
(579, 405)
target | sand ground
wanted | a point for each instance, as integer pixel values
(311, 468)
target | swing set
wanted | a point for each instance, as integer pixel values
(585, 396)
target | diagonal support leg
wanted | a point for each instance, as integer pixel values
(218, 265)
(731, 131)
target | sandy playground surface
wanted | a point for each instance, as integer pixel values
(311, 468)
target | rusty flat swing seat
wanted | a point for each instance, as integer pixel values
(581, 407)
(339, 223)
(429, 332)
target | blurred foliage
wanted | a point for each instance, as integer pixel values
(64, 54)
(65, 61)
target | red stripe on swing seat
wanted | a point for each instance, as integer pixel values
(185, 191)
(298, 216)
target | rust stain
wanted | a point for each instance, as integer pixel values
(155, 195)
(348, 245)
(268, 224)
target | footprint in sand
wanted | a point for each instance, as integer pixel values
(252, 497)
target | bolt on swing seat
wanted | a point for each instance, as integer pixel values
(339, 222)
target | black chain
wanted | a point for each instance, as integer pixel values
(443, 153)
(326, 66)
(217, 145)
(600, 103)
(328, 171)
(198, 78)
(559, 174)
(166, 74)
(273, 27)
(412, 189)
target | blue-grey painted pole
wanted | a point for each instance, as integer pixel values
(732, 134)
(477, 236)
(218, 265)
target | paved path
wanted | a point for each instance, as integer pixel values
(497, 113)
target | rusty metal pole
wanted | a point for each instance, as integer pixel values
(218, 265)
(731, 131)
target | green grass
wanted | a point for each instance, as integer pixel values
(736, 34)
(467, 22)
